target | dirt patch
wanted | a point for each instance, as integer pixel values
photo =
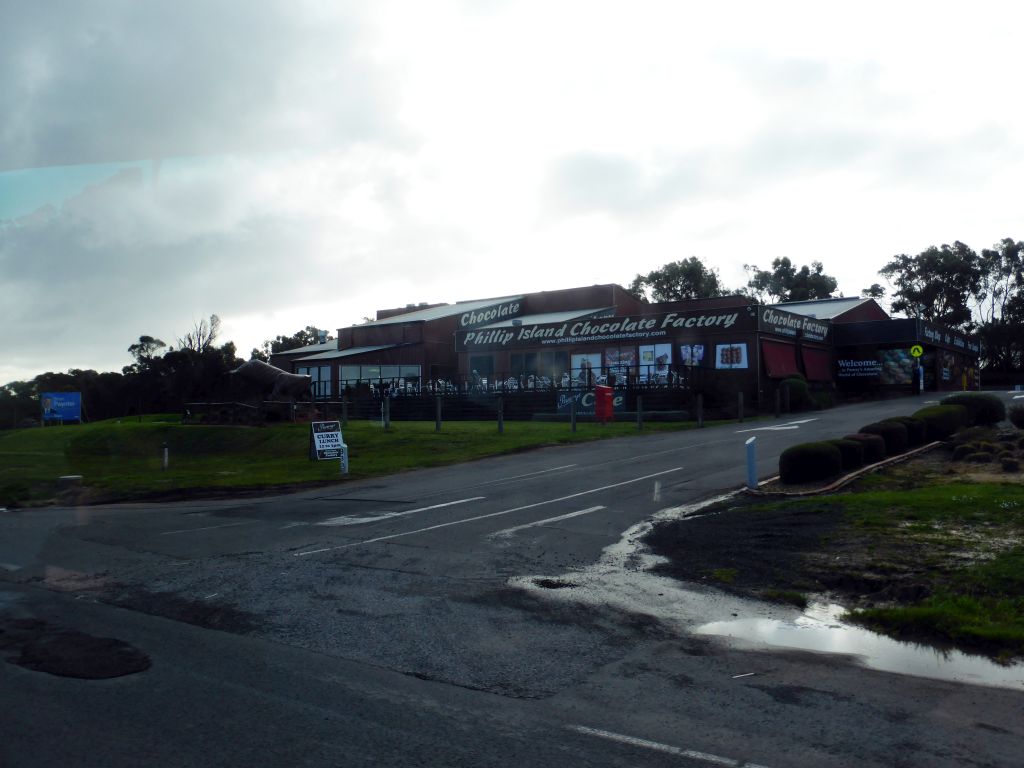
(745, 552)
(44, 647)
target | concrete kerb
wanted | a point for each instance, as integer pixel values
(846, 479)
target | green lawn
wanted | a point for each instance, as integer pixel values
(121, 459)
(962, 541)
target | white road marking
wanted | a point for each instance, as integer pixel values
(509, 531)
(1018, 397)
(291, 525)
(777, 428)
(387, 515)
(492, 514)
(657, 746)
(208, 528)
(529, 474)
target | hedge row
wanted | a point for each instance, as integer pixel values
(982, 408)
(808, 462)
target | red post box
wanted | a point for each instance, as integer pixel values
(604, 407)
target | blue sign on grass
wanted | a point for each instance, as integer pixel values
(61, 406)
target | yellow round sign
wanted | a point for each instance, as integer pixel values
(917, 350)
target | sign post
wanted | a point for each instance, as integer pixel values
(325, 442)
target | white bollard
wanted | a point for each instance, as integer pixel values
(751, 463)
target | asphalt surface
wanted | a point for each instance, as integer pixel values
(423, 619)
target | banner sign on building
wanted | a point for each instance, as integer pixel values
(730, 356)
(646, 328)
(771, 320)
(493, 314)
(61, 406)
(938, 334)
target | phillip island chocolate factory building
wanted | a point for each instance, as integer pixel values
(573, 339)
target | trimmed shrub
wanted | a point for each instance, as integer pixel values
(982, 407)
(809, 461)
(1010, 465)
(851, 452)
(894, 434)
(799, 395)
(961, 452)
(1016, 416)
(915, 429)
(823, 400)
(874, 446)
(942, 421)
(981, 457)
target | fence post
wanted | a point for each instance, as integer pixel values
(344, 411)
(572, 413)
(700, 409)
(501, 415)
(437, 409)
(639, 412)
(387, 412)
(165, 457)
(739, 405)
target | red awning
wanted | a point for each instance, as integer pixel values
(817, 364)
(779, 359)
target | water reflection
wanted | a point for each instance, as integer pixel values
(819, 629)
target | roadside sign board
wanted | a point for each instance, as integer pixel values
(916, 351)
(325, 440)
(61, 406)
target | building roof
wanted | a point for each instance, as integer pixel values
(309, 349)
(334, 354)
(823, 309)
(436, 313)
(550, 317)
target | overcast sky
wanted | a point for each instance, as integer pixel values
(284, 164)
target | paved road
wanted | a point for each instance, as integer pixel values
(385, 622)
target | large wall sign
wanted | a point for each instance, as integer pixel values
(889, 366)
(608, 329)
(492, 314)
(771, 320)
(848, 368)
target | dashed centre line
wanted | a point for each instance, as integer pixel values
(343, 520)
(657, 746)
(208, 527)
(509, 531)
(491, 514)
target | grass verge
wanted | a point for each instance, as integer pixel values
(122, 459)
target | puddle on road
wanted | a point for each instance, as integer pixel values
(819, 629)
(622, 580)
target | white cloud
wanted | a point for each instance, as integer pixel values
(321, 160)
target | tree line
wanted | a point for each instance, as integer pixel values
(977, 292)
(161, 378)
